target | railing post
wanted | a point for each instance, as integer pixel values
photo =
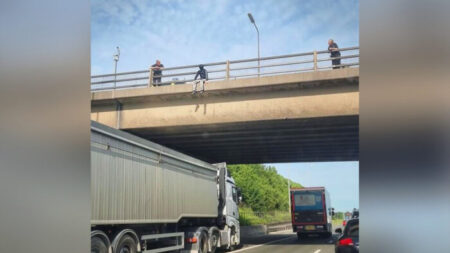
(150, 77)
(315, 60)
(227, 75)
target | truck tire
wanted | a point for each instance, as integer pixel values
(203, 243)
(126, 244)
(232, 239)
(98, 245)
(213, 240)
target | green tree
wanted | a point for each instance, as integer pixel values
(263, 189)
(338, 216)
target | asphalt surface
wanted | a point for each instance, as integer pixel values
(286, 242)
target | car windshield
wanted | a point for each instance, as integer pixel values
(308, 200)
(352, 229)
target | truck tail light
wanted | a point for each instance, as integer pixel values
(346, 242)
(191, 240)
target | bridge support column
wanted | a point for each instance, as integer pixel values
(315, 60)
(118, 113)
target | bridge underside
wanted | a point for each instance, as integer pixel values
(318, 139)
(301, 117)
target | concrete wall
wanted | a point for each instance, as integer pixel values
(284, 104)
(260, 230)
(346, 75)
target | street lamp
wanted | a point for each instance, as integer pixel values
(116, 59)
(257, 32)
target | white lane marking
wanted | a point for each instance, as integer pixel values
(281, 232)
(259, 245)
(317, 251)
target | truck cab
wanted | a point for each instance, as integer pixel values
(229, 199)
(226, 234)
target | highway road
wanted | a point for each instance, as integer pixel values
(286, 242)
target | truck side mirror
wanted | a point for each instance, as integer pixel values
(239, 193)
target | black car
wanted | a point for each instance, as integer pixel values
(348, 241)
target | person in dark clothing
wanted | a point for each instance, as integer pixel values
(157, 72)
(334, 52)
(203, 73)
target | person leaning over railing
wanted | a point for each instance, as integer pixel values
(203, 73)
(157, 72)
(334, 52)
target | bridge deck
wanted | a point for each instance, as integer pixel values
(301, 117)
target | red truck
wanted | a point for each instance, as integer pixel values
(311, 211)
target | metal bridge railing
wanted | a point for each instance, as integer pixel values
(229, 70)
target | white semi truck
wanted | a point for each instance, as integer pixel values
(149, 198)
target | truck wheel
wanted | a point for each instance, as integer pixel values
(232, 240)
(203, 243)
(300, 236)
(98, 245)
(213, 240)
(126, 245)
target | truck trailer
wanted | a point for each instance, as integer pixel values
(311, 211)
(148, 198)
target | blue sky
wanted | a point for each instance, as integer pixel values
(181, 32)
(340, 178)
(184, 32)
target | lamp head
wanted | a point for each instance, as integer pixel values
(251, 18)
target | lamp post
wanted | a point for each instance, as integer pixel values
(257, 32)
(116, 59)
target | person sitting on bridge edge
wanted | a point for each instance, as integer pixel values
(334, 52)
(157, 72)
(203, 73)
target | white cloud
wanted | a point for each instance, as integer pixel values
(188, 32)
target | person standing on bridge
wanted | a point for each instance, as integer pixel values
(203, 73)
(157, 72)
(334, 52)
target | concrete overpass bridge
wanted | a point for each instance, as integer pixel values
(297, 109)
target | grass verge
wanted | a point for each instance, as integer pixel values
(337, 222)
(248, 217)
